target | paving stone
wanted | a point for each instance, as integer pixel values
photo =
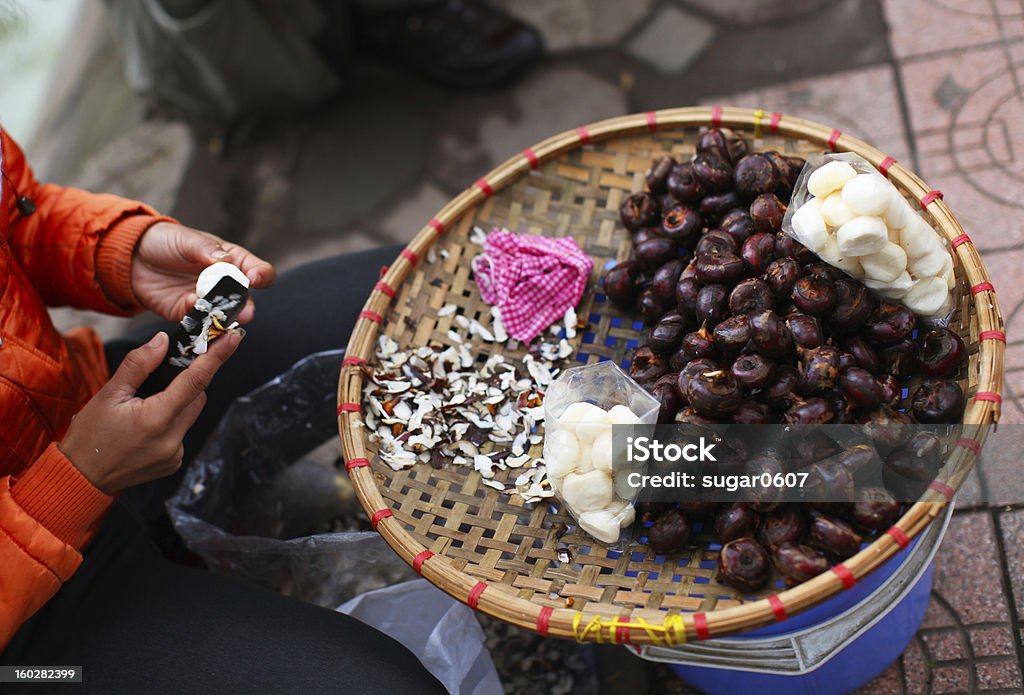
(945, 646)
(971, 493)
(937, 614)
(1012, 525)
(950, 679)
(411, 212)
(888, 683)
(915, 667)
(578, 24)
(1000, 465)
(967, 568)
(671, 39)
(1005, 674)
(862, 102)
(992, 641)
(929, 26)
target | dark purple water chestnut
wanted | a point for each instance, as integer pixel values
(698, 507)
(846, 360)
(751, 296)
(668, 332)
(651, 306)
(767, 212)
(644, 233)
(784, 526)
(779, 393)
(752, 371)
(796, 164)
(646, 366)
(738, 148)
(699, 343)
(743, 565)
(737, 520)
(713, 142)
(712, 304)
(622, 284)
(861, 387)
(814, 295)
(781, 274)
(666, 279)
(810, 411)
(738, 225)
(886, 427)
(796, 563)
(670, 532)
(892, 392)
(854, 305)
(714, 393)
(938, 401)
(824, 271)
(752, 413)
(805, 329)
(758, 252)
(889, 323)
(664, 391)
(865, 355)
(788, 247)
(819, 369)
(732, 334)
(875, 509)
(657, 175)
(715, 206)
(722, 268)
(654, 253)
(898, 359)
(640, 210)
(683, 185)
(754, 175)
(942, 352)
(787, 178)
(713, 173)
(834, 536)
(695, 366)
(769, 335)
(910, 468)
(690, 416)
(846, 412)
(716, 241)
(687, 290)
(682, 224)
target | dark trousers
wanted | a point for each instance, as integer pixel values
(138, 623)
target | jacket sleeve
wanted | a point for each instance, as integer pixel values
(76, 248)
(46, 517)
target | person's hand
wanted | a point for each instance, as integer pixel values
(169, 258)
(118, 440)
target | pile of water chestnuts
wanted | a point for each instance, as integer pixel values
(747, 326)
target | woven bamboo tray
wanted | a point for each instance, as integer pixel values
(499, 555)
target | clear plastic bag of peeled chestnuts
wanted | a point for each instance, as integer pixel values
(580, 408)
(853, 218)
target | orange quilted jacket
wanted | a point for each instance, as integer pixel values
(75, 249)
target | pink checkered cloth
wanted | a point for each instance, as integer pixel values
(533, 280)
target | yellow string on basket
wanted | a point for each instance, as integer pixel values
(758, 115)
(672, 631)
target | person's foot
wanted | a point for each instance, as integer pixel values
(459, 43)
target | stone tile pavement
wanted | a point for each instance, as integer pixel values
(936, 83)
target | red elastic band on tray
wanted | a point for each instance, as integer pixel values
(349, 408)
(474, 594)
(897, 535)
(531, 157)
(972, 445)
(652, 121)
(378, 515)
(773, 125)
(370, 316)
(845, 575)
(353, 362)
(584, 134)
(833, 139)
(992, 335)
(960, 241)
(484, 187)
(544, 619)
(990, 396)
(357, 463)
(385, 288)
(885, 165)
(943, 489)
(417, 562)
(383, 272)
(777, 608)
(621, 631)
(716, 116)
(929, 198)
(700, 621)
(409, 256)
(436, 224)
(982, 287)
